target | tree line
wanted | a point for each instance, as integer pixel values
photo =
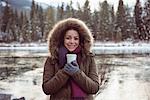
(105, 23)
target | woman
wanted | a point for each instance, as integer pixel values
(75, 80)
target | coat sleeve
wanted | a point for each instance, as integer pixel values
(89, 83)
(52, 81)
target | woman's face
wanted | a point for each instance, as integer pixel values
(71, 40)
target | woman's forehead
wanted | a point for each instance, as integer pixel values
(72, 32)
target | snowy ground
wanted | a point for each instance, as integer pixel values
(129, 80)
(98, 47)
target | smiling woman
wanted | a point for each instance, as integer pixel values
(66, 79)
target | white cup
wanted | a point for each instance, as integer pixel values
(71, 57)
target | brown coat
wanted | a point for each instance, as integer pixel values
(55, 80)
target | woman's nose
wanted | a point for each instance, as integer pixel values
(72, 40)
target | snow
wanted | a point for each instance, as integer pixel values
(98, 47)
(3, 4)
(121, 48)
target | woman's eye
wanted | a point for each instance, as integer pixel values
(67, 38)
(76, 38)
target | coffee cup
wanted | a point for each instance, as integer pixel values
(71, 57)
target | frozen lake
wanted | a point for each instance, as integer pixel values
(127, 72)
(127, 76)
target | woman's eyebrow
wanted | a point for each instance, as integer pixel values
(76, 36)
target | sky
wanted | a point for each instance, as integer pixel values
(93, 3)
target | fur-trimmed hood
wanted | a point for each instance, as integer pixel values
(56, 35)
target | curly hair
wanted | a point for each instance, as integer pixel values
(56, 35)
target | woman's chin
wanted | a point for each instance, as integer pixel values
(71, 50)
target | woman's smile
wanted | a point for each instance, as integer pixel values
(71, 47)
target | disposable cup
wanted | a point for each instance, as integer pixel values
(71, 57)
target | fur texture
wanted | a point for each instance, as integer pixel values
(56, 35)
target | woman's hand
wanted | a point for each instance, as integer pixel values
(71, 68)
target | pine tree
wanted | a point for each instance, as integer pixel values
(112, 23)
(139, 20)
(78, 13)
(130, 24)
(86, 15)
(50, 20)
(41, 22)
(12, 26)
(105, 20)
(60, 12)
(95, 24)
(5, 18)
(121, 20)
(69, 10)
(33, 22)
(26, 36)
(147, 20)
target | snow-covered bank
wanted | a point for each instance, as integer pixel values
(17, 44)
(97, 44)
(122, 44)
(98, 47)
(121, 48)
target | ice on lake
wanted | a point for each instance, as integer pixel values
(127, 77)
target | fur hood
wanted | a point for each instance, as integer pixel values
(55, 37)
